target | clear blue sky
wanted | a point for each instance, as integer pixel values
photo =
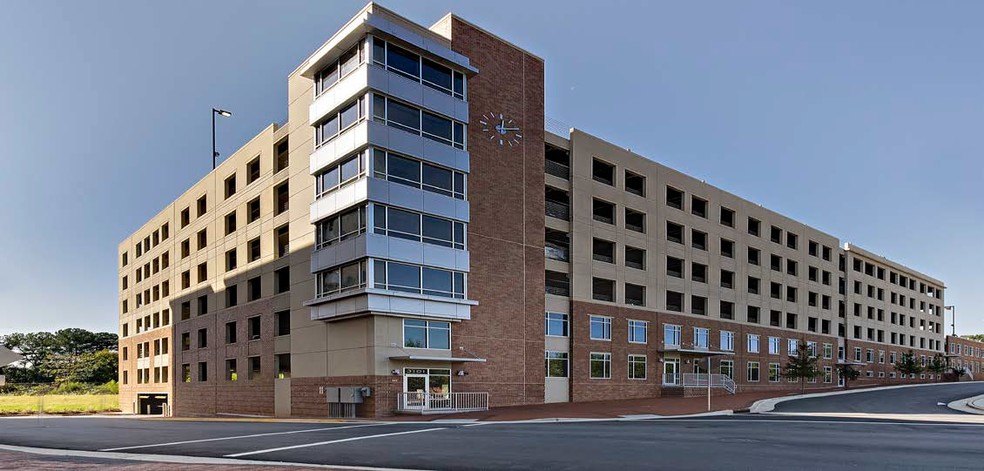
(863, 119)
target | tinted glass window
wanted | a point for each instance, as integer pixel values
(350, 275)
(437, 282)
(349, 115)
(403, 60)
(404, 168)
(349, 61)
(437, 126)
(438, 231)
(436, 74)
(414, 333)
(404, 222)
(351, 222)
(404, 277)
(437, 177)
(403, 115)
(350, 168)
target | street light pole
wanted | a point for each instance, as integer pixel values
(224, 113)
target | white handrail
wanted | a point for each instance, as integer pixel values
(448, 402)
(700, 380)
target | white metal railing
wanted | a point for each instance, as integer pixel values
(671, 379)
(699, 380)
(442, 402)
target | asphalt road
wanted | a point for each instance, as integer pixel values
(915, 400)
(735, 442)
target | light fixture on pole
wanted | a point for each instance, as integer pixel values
(953, 318)
(222, 113)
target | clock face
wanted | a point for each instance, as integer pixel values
(501, 129)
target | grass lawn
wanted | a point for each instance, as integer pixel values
(62, 403)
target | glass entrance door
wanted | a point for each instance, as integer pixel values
(671, 371)
(415, 387)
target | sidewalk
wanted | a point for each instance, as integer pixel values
(663, 406)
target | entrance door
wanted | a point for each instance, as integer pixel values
(840, 380)
(151, 404)
(671, 371)
(415, 385)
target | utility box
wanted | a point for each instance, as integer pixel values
(342, 401)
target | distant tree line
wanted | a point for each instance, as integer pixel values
(977, 337)
(68, 355)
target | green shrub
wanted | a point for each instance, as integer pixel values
(110, 387)
(70, 387)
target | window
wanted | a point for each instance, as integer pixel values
(698, 305)
(674, 267)
(203, 304)
(792, 267)
(185, 217)
(253, 211)
(201, 206)
(698, 239)
(231, 373)
(352, 222)
(253, 328)
(230, 259)
(754, 256)
(603, 289)
(603, 211)
(792, 240)
(281, 198)
(336, 123)
(828, 374)
(753, 372)
(635, 294)
(635, 258)
(774, 345)
(727, 310)
(791, 346)
(557, 364)
(752, 343)
(601, 365)
(202, 338)
(753, 285)
(752, 314)
(674, 232)
(638, 331)
(635, 220)
(776, 234)
(727, 217)
(603, 251)
(416, 174)
(774, 373)
(230, 332)
(674, 301)
(727, 279)
(202, 272)
(700, 337)
(416, 121)
(281, 280)
(555, 324)
(253, 248)
(403, 277)
(635, 183)
(282, 365)
(254, 368)
(698, 272)
(727, 341)
(232, 296)
(674, 198)
(603, 172)
(754, 226)
(671, 335)
(346, 63)
(334, 177)
(410, 65)
(637, 367)
(202, 239)
(186, 310)
(426, 334)
(698, 206)
(600, 328)
(230, 186)
(185, 248)
(202, 371)
(254, 289)
(728, 368)
(283, 240)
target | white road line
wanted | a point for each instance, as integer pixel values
(237, 437)
(352, 439)
(852, 422)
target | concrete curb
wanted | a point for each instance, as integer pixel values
(624, 418)
(768, 405)
(970, 405)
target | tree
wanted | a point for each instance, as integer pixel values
(804, 365)
(848, 372)
(908, 365)
(977, 337)
(937, 365)
(68, 354)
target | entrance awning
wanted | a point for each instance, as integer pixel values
(430, 358)
(697, 352)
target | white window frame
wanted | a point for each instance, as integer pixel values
(828, 351)
(673, 329)
(633, 360)
(731, 365)
(565, 320)
(778, 370)
(828, 375)
(606, 323)
(791, 346)
(748, 372)
(606, 359)
(727, 341)
(774, 347)
(565, 359)
(752, 343)
(633, 326)
(702, 332)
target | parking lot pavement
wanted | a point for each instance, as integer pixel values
(763, 442)
(926, 399)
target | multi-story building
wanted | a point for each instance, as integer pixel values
(413, 230)
(965, 354)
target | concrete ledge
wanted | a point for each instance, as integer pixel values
(768, 405)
